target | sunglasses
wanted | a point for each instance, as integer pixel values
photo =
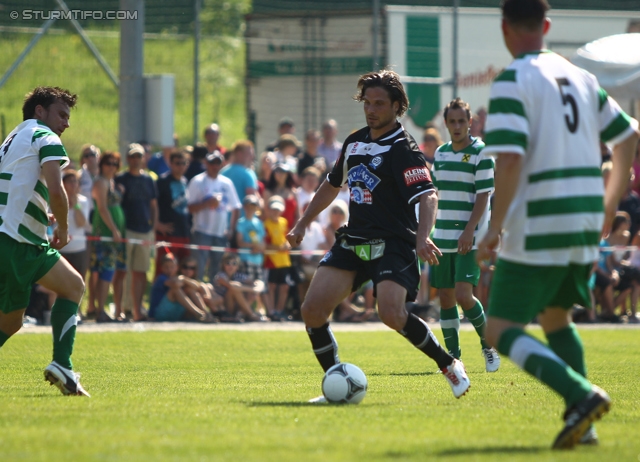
(187, 267)
(112, 164)
(89, 154)
(179, 163)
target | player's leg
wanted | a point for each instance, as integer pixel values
(515, 300)
(467, 276)
(10, 323)
(67, 283)
(444, 281)
(329, 286)
(450, 321)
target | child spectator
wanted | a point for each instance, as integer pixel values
(204, 295)
(278, 260)
(250, 235)
(237, 290)
(169, 301)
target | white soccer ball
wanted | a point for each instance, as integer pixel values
(344, 383)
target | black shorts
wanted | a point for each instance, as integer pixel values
(399, 263)
(279, 275)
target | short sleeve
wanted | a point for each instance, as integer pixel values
(484, 181)
(193, 192)
(615, 124)
(411, 172)
(49, 147)
(507, 127)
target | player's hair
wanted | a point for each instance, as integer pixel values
(45, 97)
(388, 80)
(458, 103)
(525, 14)
(240, 145)
(108, 156)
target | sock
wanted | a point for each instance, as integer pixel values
(450, 325)
(418, 333)
(476, 317)
(3, 338)
(63, 325)
(324, 346)
(566, 343)
(541, 362)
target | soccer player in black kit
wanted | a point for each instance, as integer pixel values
(387, 175)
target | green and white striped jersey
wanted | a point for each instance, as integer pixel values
(24, 197)
(458, 177)
(554, 114)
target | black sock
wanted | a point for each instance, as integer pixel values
(418, 333)
(324, 345)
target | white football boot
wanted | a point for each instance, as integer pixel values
(491, 359)
(67, 381)
(318, 400)
(456, 375)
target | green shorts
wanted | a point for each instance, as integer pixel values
(519, 292)
(453, 268)
(22, 266)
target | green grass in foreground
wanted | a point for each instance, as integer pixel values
(229, 396)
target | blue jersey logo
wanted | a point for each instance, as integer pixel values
(360, 173)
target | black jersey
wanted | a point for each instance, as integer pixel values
(386, 178)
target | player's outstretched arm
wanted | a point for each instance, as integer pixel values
(58, 202)
(325, 195)
(623, 154)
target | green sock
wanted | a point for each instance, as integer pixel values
(542, 363)
(476, 317)
(566, 343)
(63, 325)
(450, 325)
(3, 338)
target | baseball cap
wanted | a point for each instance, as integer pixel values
(286, 121)
(277, 203)
(215, 156)
(281, 166)
(213, 128)
(135, 148)
(251, 199)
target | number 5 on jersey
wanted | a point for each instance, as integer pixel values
(567, 98)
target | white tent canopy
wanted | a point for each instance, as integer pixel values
(615, 61)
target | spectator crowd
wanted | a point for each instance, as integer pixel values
(215, 220)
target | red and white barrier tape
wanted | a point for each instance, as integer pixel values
(193, 246)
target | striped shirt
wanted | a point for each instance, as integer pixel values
(554, 115)
(459, 176)
(24, 196)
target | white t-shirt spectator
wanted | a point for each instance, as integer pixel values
(78, 242)
(330, 152)
(313, 239)
(212, 222)
(304, 198)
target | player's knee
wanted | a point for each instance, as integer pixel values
(75, 287)
(464, 296)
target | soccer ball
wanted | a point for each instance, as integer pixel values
(344, 383)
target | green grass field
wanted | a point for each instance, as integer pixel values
(233, 395)
(63, 60)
